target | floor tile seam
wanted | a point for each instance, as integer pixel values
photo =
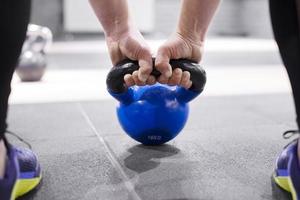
(128, 184)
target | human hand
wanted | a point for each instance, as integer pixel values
(178, 46)
(131, 44)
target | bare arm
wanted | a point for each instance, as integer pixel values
(195, 18)
(123, 39)
(187, 41)
(113, 15)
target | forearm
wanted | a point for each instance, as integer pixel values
(113, 15)
(195, 18)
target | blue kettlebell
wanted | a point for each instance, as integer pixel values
(153, 114)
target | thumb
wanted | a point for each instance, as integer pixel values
(162, 62)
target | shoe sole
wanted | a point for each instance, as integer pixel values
(23, 186)
(285, 183)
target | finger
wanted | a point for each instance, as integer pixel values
(145, 68)
(185, 79)
(151, 80)
(189, 85)
(138, 50)
(176, 77)
(136, 79)
(162, 62)
(129, 80)
(163, 80)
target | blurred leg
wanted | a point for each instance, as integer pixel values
(286, 31)
(298, 12)
(14, 18)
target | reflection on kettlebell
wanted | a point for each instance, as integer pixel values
(32, 61)
(155, 114)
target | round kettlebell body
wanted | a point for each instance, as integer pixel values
(31, 66)
(155, 116)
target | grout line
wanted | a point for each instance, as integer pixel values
(128, 184)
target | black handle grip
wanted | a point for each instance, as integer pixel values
(115, 78)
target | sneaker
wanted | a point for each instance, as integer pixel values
(22, 174)
(287, 169)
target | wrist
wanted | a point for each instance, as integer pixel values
(193, 37)
(191, 32)
(117, 29)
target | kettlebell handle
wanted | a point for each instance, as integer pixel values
(115, 78)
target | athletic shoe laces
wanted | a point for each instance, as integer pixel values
(19, 138)
(288, 134)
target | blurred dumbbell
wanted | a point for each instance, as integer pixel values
(32, 62)
(38, 38)
(32, 66)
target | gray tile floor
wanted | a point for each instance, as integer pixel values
(226, 151)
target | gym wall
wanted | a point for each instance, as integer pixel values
(155, 17)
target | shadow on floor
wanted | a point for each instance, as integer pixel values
(142, 157)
